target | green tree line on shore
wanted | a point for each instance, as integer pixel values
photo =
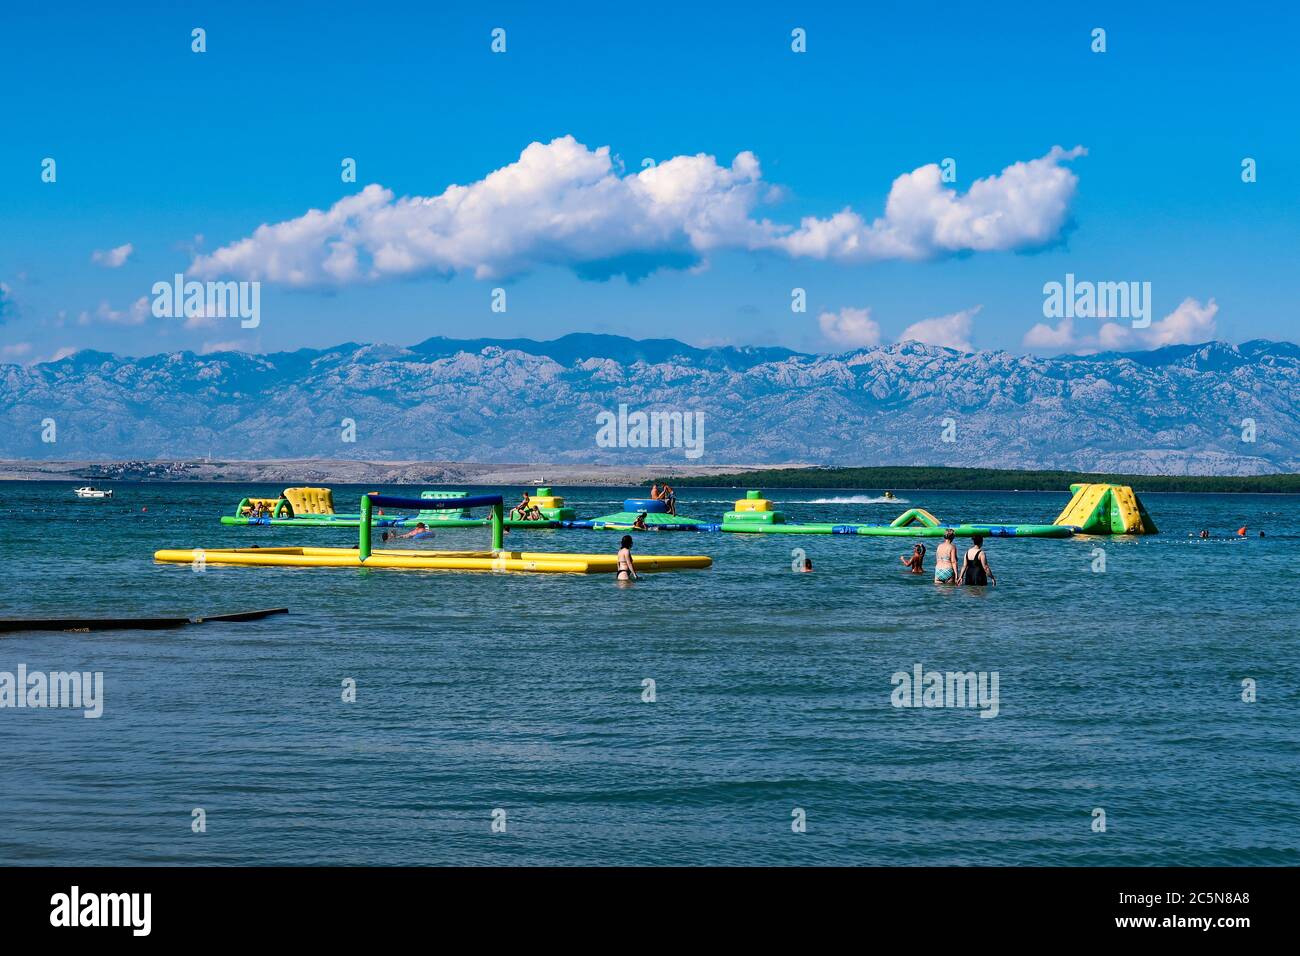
(984, 479)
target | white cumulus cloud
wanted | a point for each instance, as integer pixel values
(1024, 206)
(112, 258)
(1191, 323)
(949, 331)
(563, 204)
(135, 314)
(849, 326)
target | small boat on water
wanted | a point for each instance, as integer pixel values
(90, 491)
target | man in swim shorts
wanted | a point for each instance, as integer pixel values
(945, 560)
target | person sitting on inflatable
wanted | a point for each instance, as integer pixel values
(639, 524)
(526, 510)
(521, 510)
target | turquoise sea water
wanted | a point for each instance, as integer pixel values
(1118, 690)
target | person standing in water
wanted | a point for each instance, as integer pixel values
(945, 560)
(626, 567)
(975, 571)
(915, 562)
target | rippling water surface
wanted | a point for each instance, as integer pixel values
(1119, 690)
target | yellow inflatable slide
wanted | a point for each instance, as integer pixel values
(1106, 509)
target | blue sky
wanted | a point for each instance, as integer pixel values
(156, 145)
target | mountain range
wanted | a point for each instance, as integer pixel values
(1213, 408)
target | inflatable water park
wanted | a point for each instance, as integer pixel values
(314, 508)
(1093, 509)
(497, 559)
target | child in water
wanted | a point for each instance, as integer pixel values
(915, 562)
(626, 567)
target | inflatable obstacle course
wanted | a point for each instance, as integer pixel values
(314, 508)
(551, 506)
(304, 507)
(310, 501)
(656, 514)
(754, 514)
(363, 555)
(752, 509)
(1106, 509)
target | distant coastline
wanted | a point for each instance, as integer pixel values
(322, 471)
(297, 471)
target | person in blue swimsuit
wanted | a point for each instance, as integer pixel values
(945, 560)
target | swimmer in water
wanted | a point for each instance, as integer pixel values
(975, 570)
(626, 567)
(419, 530)
(1204, 534)
(915, 562)
(945, 560)
(807, 566)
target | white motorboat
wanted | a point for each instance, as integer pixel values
(90, 491)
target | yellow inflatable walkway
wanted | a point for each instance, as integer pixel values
(1106, 509)
(541, 562)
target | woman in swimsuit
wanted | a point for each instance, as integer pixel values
(975, 571)
(945, 560)
(915, 562)
(626, 567)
